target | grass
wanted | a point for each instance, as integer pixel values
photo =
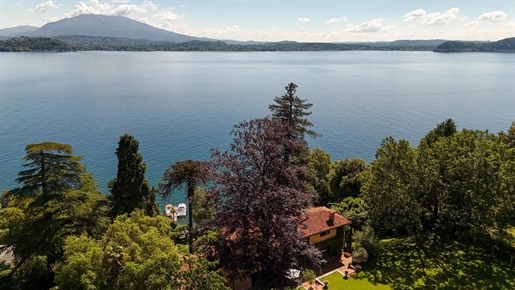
(336, 282)
(449, 265)
(443, 265)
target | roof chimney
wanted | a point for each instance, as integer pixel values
(331, 215)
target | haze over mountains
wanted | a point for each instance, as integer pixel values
(17, 31)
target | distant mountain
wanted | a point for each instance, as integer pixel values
(503, 45)
(17, 31)
(406, 43)
(108, 26)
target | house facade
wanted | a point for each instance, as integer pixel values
(325, 229)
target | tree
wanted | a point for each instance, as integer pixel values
(461, 185)
(508, 138)
(444, 129)
(130, 189)
(260, 201)
(188, 173)
(136, 252)
(57, 198)
(291, 109)
(391, 187)
(202, 275)
(354, 209)
(321, 167)
(347, 178)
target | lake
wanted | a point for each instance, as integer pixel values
(179, 105)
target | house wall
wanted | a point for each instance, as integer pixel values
(314, 239)
(335, 243)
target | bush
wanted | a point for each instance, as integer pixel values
(309, 276)
(359, 256)
(369, 241)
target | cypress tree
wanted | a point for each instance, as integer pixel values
(130, 189)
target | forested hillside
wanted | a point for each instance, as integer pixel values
(503, 45)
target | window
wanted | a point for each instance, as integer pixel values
(324, 233)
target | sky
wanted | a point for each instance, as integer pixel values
(303, 21)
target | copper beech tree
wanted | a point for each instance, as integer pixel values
(260, 200)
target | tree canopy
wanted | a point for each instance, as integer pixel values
(136, 252)
(461, 186)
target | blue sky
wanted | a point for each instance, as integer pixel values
(322, 21)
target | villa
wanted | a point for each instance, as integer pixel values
(321, 227)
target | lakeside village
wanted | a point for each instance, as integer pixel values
(270, 213)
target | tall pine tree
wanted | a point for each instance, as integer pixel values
(291, 109)
(130, 189)
(57, 199)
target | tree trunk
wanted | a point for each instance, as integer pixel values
(511, 260)
(191, 192)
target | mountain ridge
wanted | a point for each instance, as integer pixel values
(109, 26)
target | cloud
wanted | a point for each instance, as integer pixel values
(303, 19)
(494, 16)
(150, 5)
(336, 20)
(464, 18)
(374, 25)
(19, 4)
(46, 6)
(437, 18)
(234, 28)
(509, 24)
(121, 1)
(167, 15)
(95, 7)
(127, 9)
(302, 28)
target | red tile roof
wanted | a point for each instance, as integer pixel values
(317, 220)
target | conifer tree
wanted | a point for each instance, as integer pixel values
(130, 189)
(291, 109)
(57, 199)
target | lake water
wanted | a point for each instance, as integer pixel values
(179, 105)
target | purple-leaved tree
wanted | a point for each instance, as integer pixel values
(260, 201)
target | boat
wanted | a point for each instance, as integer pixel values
(181, 210)
(170, 211)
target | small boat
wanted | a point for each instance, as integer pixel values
(169, 211)
(181, 210)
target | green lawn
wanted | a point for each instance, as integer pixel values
(449, 265)
(445, 265)
(337, 282)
